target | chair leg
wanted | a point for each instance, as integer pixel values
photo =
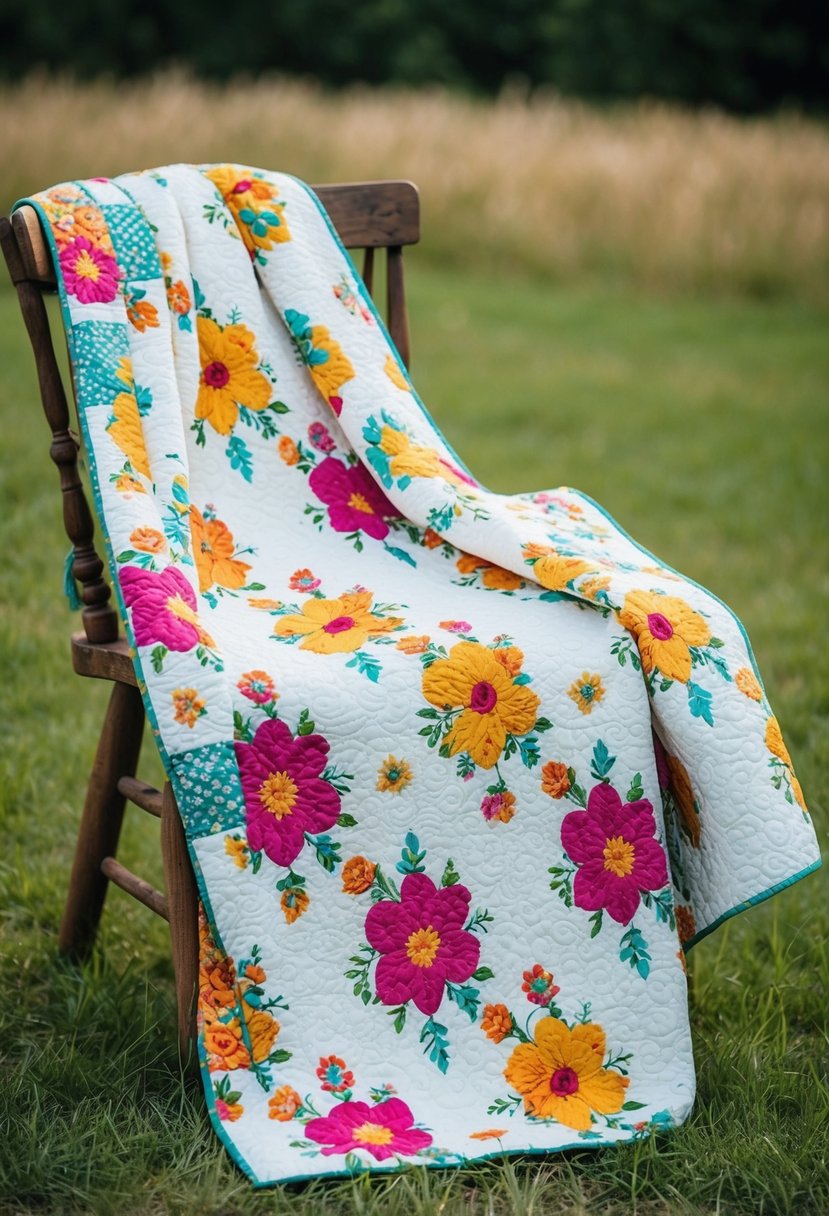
(182, 906)
(116, 757)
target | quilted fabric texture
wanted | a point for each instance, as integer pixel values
(461, 773)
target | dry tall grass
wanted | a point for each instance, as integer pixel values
(671, 199)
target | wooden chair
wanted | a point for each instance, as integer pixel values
(367, 216)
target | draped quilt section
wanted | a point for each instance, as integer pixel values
(462, 774)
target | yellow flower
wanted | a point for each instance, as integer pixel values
(330, 376)
(213, 553)
(555, 780)
(188, 706)
(358, 875)
(228, 375)
(413, 459)
(554, 571)
(237, 848)
(242, 191)
(664, 627)
(393, 776)
(587, 692)
(294, 902)
(748, 684)
(127, 432)
(511, 658)
(496, 1022)
(560, 1076)
(774, 742)
(127, 485)
(492, 704)
(394, 374)
(284, 1104)
(593, 586)
(684, 795)
(336, 626)
(263, 1029)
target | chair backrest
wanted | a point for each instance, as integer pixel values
(367, 215)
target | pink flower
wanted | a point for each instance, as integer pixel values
(613, 845)
(423, 942)
(163, 608)
(88, 272)
(456, 626)
(384, 1130)
(320, 437)
(285, 797)
(355, 502)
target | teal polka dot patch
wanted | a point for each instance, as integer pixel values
(208, 789)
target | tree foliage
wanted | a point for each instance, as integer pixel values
(744, 55)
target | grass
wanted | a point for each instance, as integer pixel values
(702, 427)
(648, 194)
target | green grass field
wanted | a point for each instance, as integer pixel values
(702, 426)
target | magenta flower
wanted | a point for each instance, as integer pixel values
(384, 1130)
(285, 797)
(320, 437)
(355, 502)
(163, 608)
(88, 272)
(423, 943)
(613, 845)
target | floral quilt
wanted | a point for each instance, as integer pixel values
(463, 775)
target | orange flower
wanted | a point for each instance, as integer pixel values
(664, 627)
(288, 450)
(263, 1029)
(217, 981)
(491, 1133)
(492, 704)
(748, 684)
(554, 779)
(188, 706)
(223, 1041)
(178, 297)
(142, 315)
(284, 1104)
(561, 1077)
(686, 926)
(128, 486)
(684, 794)
(255, 974)
(293, 903)
(148, 540)
(432, 539)
(496, 1022)
(511, 658)
(498, 579)
(415, 644)
(358, 875)
(213, 552)
(228, 375)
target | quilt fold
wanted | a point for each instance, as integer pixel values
(462, 775)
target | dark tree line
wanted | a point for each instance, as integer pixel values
(748, 56)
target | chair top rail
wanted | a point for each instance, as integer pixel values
(366, 215)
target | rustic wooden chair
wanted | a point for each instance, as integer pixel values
(367, 216)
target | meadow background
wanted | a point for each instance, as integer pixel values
(630, 299)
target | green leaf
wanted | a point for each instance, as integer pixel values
(346, 821)
(483, 973)
(306, 724)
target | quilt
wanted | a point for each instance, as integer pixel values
(462, 775)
